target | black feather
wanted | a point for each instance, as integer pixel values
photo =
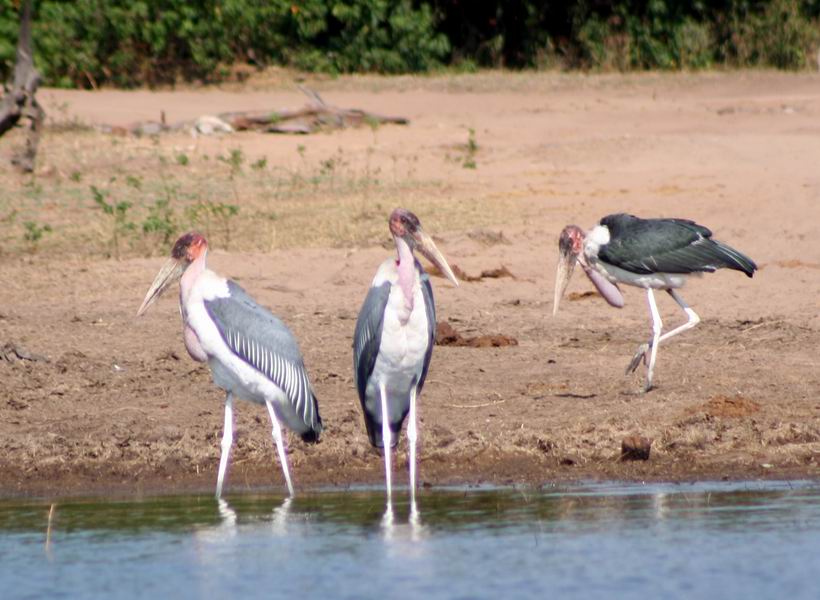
(646, 246)
(366, 341)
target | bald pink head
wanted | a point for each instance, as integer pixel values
(187, 249)
(189, 246)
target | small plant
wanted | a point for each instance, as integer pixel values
(75, 176)
(160, 221)
(34, 233)
(133, 181)
(118, 214)
(471, 149)
(182, 159)
(224, 214)
(234, 160)
(259, 165)
(204, 212)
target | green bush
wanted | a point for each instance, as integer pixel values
(784, 38)
(86, 43)
(693, 45)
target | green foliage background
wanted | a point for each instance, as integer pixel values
(86, 43)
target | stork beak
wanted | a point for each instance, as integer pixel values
(167, 276)
(426, 245)
(566, 264)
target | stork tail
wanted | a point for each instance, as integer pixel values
(735, 260)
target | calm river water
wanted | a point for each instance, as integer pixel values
(710, 540)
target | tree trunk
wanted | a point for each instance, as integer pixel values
(20, 102)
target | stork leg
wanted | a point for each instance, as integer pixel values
(387, 441)
(692, 317)
(227, 441)
(692, 320)
(280, 445)
(412, 435)
(657, 326)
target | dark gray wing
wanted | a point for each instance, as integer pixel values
(430, 306)
(366, 341)
(368, 335)
(647, 246)
(265, 342)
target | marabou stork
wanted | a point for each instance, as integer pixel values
(251, 353)
(654, 254)
(394, 339)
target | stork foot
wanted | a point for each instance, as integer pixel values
(641, 355)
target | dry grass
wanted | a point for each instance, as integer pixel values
(243, 200)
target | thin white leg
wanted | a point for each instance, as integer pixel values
(692, 316)
(280, 445)
(227, 441)
(412, 436)
(387, 441)
(644, 349)
(657, 325)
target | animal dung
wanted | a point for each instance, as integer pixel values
(447, 335)
(635, 447)
(462, 275)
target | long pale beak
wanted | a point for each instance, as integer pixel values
(566, 264)
(167, 276)
(426, 245)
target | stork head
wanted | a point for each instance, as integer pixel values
(187, 249)
(570, 247)
(406, 226)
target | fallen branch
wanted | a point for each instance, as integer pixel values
(11, 352)
(471, 406)
(317, 115)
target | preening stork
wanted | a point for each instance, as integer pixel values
(654, 254)
(251, 353)
(394, 339)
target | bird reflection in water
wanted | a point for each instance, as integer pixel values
(227, 514)
(280, 516)
(412, 530)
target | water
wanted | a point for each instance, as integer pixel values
(747, 540)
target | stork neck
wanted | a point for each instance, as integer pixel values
(190, 276)
(407, 270)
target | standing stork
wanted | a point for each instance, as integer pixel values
(394, 339)
(654, 254)
(251, 353)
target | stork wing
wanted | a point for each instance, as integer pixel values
(265, 342)
(368, 335)
(430, 306)
(667, 246)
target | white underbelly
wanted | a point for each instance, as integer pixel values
(402, 352)
(657, 281)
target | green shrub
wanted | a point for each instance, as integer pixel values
(86, 43)
(784, 38)
(693, 45)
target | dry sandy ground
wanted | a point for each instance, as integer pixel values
(117, 405)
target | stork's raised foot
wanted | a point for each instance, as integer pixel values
(641, 355)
